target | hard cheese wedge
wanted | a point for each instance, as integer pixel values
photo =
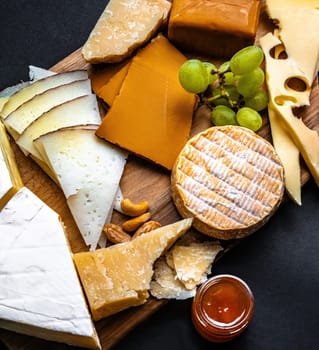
(78, 111)
(38, 87)
(17, 121)
(10, 180)
(124, 26)
(119, 276)
(154, 122)
(40, 293)
(89, 171)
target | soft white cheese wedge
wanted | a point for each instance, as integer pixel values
(17, 121)
(89, 171)
(79, 111)
(40, 292)
(38, 87)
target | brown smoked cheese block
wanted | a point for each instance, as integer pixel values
(229, 179)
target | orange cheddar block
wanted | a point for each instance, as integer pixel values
(215, 28)
(152, 114)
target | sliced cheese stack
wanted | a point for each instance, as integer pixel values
(182, 269)
(155, 123)
(118, 277)
(229, 179)
(40, 293)
(299, 65)
(89, 171)
(123, 26)
(10, 180)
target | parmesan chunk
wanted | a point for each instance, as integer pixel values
(124, 26)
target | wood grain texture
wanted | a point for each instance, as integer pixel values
(155, 188)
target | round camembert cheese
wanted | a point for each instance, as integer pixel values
(229, 179)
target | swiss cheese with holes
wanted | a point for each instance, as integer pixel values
(229, 179)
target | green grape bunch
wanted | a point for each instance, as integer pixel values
(234, 91)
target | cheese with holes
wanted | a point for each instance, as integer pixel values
(40, 292)
(229, 179)
(154, 124)
(89, 171)
(122, 27)
(39, 86)
(18, 120)
(78, 111)
(118, 277)
(10, 180)
(214, 28)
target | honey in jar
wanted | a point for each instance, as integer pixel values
(222, 308)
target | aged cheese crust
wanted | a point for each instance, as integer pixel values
(229, 179)
(122, 27)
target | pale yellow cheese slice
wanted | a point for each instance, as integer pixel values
(119, 276)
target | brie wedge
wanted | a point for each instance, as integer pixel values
(40, 292)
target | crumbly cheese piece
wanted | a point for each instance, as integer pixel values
(159, 124)
(78, 111)
(18, 120)
(298, 25)
(89, 171)
(10, 180)
(40, 292)
(119, 276)
(38, 87)
(285, 99)
(123, 26)
(229, 179)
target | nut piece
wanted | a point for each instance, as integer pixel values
(132, 209)
(115, 234)
(133, 224)
(147, 227)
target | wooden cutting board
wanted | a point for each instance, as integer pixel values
(155, 188)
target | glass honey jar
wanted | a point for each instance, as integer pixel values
(222, 308)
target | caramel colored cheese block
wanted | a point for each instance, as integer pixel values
(215, 28)
(152, 114)
(118, 277)
(229, 179)
(124, 26)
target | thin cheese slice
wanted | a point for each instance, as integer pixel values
(229, 179)
(38, 87)
(89, 171)
(40, 292)
(119, 276)
(122, 27)
(78, 111)
(10, 180)
(17, 121)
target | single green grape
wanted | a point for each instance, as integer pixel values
(193, 76)
(258, 102)
(246, 60)
(223, 115)
(212, 71)
(249, 118)
(249, 83)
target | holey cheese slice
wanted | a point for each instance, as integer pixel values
(89, 171)
(229, 180)
(10, 180)
(118, 277)
(123, 26)
(40, 292)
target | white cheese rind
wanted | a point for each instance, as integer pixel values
(39, 285)
(5, 179)
(89, 171)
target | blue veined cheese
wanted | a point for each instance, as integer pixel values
(89, 171)
(40, 292)
(10, 180)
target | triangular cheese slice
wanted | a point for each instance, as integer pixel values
(40, 293)
(89, 171)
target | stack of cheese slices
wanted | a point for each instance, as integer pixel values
(53, 120)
